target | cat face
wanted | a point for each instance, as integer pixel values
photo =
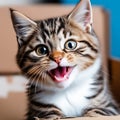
(54, 52)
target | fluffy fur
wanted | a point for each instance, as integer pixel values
(62, 60)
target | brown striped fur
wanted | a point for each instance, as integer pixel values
(50, 48)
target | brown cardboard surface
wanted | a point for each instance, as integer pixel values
(13, 107)
(115, 78)
(8, 43)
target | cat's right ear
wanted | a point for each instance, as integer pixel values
(24, 26)
(82, 14)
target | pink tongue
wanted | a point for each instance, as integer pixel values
(60, 72)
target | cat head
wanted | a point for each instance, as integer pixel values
(55, 52)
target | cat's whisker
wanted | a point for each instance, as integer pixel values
(45, 77)
(41, 77)
(33, 72)
(40, 74)
(34, 79)
(36, 83)
(33, 69)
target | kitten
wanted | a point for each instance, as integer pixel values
(61, 58)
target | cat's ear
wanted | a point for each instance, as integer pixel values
(82, 14)
(24, 26)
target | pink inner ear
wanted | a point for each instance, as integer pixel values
(87, 22)
(87, 19)
(82, 14)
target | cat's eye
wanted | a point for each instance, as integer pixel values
(71, 44)
(42, 50)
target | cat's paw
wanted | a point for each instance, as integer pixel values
(94, 113)
(54, 118)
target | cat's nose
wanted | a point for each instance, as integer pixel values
(57, 56)
(58, 59)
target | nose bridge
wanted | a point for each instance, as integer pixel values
(58, 54)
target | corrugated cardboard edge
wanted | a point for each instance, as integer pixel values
(97, 118)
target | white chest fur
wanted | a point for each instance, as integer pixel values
(72, 101)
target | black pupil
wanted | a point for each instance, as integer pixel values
(70, 45)
(43, 50)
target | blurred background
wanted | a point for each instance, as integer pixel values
(111, 6)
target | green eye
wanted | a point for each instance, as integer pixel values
(70, 44)
(42, 50)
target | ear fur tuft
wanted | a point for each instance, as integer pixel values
(82, 14)
(23, 26)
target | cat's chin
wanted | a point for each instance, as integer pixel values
(60, 74)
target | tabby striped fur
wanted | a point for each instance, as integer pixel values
(62, 60)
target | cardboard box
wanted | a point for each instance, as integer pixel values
(13, 100)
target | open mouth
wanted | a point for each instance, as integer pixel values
(60, 74)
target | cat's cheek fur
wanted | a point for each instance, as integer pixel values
(52, 65)
(75, 74)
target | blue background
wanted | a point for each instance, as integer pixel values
(112, 7)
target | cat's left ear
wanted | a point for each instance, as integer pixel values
(23, 25)
(82, 14)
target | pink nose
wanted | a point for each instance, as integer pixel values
(58, 59)
(57, 56)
